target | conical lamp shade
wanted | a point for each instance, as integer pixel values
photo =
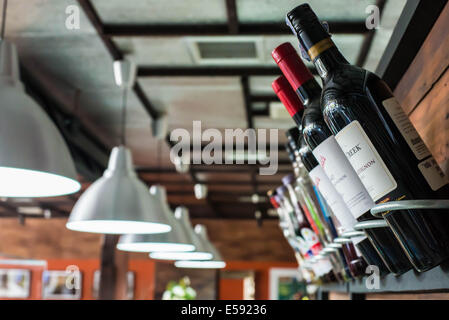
(178, 239)
(34, 158)
(182, 215)
(201, 250)
(217, 261)
(118, 202)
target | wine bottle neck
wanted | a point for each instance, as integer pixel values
(308, 92)
(297, 117)
(328, 61)
(319, 46)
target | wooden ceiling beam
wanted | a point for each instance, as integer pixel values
(115, 53)
(217, 168)
(231, 13)
(244, 29)
(216, 71)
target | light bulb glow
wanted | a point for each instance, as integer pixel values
(200, 264)
(181, 255)
(155, 247)
(118, 227)
(15, 182)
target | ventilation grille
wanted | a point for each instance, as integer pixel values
(209, 50)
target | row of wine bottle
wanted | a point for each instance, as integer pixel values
(353, 147)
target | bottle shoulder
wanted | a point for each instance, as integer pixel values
(352, 82)
(348, 95)
(343, 82)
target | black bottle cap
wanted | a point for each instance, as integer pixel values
(301, 17)
(305, 24)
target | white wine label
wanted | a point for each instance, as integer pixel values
(333, 198)
(342, 176)
(365, 160)
(406, 128)
(433, 174)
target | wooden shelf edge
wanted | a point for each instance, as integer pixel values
(434, 280)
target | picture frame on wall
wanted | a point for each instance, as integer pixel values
(285, 284)
(15, 283)
(130, 284)
(61, 285)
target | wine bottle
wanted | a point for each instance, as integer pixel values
(379, 141)
(331, 204)
(303, 222)
(303, 237)
(333, 161)
(363, 246)
(302, 253)
(308, 212)
(309, 200)
(353, 263)
(337, 206)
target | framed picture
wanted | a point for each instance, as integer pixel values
(130, 281)
(62, 285)
(285, 284)
(15, 283)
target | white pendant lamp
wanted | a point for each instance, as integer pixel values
(202, 250)
(217, 261)
(178, 239)
(34, 158)
(118, 202)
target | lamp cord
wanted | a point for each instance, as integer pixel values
(5, 5)
(123, 133)
(159, 151)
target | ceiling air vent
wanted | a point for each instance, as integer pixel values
(232, 50)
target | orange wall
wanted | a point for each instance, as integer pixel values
(231, 289)
(262, 272)
(36, 279)
(145, 282)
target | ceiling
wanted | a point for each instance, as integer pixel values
(70, 73)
